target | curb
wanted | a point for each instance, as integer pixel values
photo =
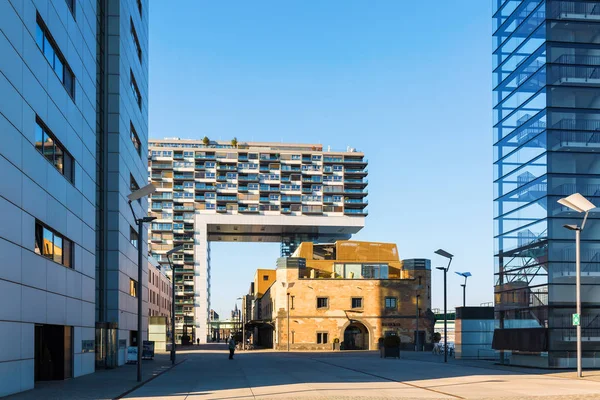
(139, 385)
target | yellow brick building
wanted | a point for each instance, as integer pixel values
(352, 291)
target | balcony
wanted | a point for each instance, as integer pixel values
(356, 211)
(252, 209)
(355, 161)
(357, 202)
(205, 157)
(333, 159)
(356, 182)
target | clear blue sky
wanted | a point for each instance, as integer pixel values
(407, 82)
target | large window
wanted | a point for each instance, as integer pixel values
(135, 139)
(54, 56)
(54, 151)
(133, 288)
(71, 5)
(322, 337)
(135, 90)
(136, 42)
(52, 245)
(322, 302)
(391, 303)
(133, 237)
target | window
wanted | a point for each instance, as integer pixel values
(57, 61)
(52, 245)
(71, 5)
(322, 337)
(133, 186)
(265, 277)
(322, 302)
(135, 139)
(139, 4)
(357, 302)
(132, 288)
(136, 42)
(135, 90)
(391, 303)
(133, 237)
(54, 151)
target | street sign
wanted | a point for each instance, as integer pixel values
(575, 319)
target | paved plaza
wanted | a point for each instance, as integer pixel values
(207, 373)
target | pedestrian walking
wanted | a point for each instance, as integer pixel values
(198, 341)
(231, 347)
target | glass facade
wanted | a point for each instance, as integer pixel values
(546, 77)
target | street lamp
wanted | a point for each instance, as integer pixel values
(577, 202)
(449, 256)
(242, 323)
(173, 250)
(417, 331)
(138, 194)
(464, 286)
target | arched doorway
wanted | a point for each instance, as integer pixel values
(356, 337)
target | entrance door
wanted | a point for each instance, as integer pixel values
(356, 337)
(53, 352)
(421, 340)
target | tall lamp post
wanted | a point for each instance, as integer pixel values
(464, 286)
(577, 202)
(138, 194)
(449, 256)
(242, 323)
(417, 332)
(173, 250)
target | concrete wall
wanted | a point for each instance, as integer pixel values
(34, 289)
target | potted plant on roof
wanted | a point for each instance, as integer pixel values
(206, 140)
(234, 142)
(391, 347)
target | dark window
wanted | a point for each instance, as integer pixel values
(135, 139)
(391, 303)
(133, 186)
(357, 302)
(132, 288)
(53, 245)
(55, 58)
(71, 5)
(322, 337)
(135, 90)
(322, 302)
(54, 151)
(136, 42)
(133, 237)
(139, 4)
(420, 281)
(265, 277)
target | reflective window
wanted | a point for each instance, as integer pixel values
(136, 42)
(391, 303)
(135, 90)
(54, 151)
(135, 140)
(133, 289)
(52, 245)
(54, 57)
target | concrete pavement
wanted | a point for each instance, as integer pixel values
(349, 375)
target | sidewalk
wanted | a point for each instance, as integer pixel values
(103, 384)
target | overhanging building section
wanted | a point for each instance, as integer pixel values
(246, 192)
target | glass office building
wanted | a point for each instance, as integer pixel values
(546, 78)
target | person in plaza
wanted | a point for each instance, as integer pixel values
(231, 347)
(198, 341)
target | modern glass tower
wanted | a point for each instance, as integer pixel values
(546, 77)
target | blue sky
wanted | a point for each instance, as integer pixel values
(407, 82)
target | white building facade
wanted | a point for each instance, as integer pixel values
(59, 141)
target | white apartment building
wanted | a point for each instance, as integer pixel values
(246, 192)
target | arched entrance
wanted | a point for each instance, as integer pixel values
(356, 337)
